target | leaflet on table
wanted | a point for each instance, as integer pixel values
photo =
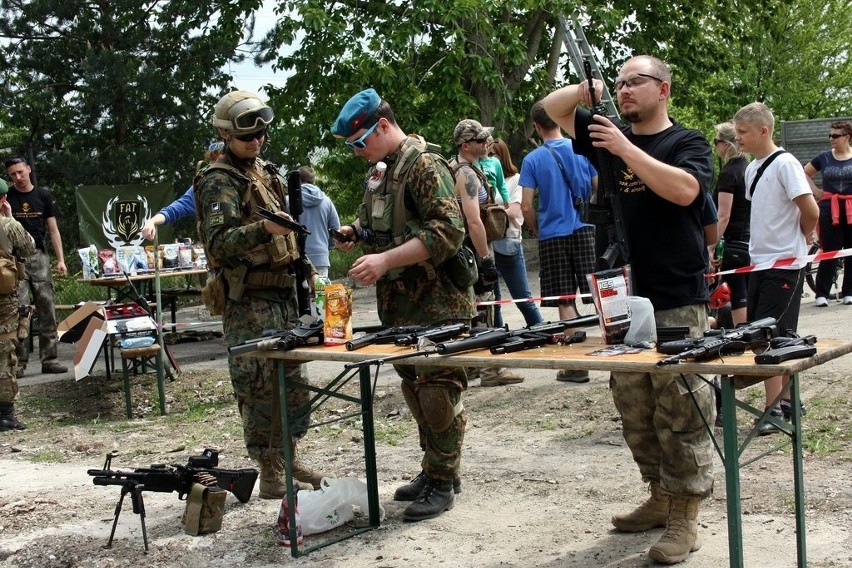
(610, 289)
(130, 325)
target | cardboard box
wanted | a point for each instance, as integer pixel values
(91, 341)
(71, 328)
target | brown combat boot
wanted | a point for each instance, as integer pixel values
(272, 483)
(303, 472)
(681, 534)
(650, 514)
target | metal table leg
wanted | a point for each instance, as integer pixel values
(732, 474)
(798, 471)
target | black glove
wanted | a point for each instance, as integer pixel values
(487, 275)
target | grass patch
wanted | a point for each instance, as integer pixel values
(391, 433)
(48, 456)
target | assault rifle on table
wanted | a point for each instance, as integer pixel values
(716, 343)
(166, 479)
(484, 339)
(537, 339)
(383, 336)
(502, 337)
(282, 340)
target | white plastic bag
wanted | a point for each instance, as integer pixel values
(333, 504)
(643, 327)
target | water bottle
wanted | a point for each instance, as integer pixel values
(137, 342)
(319, 297)
(720, 249)
(375, 180)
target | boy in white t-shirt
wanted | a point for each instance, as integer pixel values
(784, 214)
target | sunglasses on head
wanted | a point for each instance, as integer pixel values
(359, 143)
(251, 136)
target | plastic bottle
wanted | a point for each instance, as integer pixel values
(375, 180)
(282, 527)
(136, 342)
(319, 297)
(720, 249)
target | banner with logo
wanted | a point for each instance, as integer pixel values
(112, 216)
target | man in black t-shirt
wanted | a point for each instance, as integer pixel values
(36, 209)
(663, 173)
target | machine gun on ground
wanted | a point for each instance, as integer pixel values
(282, 340)
(717, 343)
(173, 478)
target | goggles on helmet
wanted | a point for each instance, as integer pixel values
(253, 119)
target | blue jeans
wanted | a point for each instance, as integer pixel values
(513, 269)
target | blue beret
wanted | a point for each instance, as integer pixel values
(356, 114)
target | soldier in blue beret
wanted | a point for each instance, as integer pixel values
(411, 230)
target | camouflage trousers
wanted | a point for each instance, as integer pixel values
(37, 289)
(441, 450)
(255, 379)
(8, 362)
(661, 418)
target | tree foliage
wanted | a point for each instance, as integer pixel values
(112, 92)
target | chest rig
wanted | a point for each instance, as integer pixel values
(389, 222)
(262, 189)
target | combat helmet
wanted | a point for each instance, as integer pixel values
(241, 111)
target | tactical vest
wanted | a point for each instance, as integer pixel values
(12, 270)
(384, 214)
(269, 260)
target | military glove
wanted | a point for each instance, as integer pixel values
(487, 272)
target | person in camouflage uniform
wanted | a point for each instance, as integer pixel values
(411, 229)
(263, 297)
(15, 244)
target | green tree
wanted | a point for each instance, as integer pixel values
(114, 92)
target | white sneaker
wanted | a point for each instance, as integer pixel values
(821, 302)
(847, 300)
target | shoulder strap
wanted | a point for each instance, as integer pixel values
(762, 169)
(561, 167)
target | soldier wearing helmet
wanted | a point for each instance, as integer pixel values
(254, 283)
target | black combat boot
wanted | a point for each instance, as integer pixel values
(437, 497)
(412, 491)
(8, 421)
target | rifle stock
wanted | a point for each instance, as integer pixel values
(713, 343)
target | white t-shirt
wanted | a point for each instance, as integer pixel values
(775, 232)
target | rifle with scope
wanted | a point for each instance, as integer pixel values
(163, 478)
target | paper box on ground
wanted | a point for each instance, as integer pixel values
(71, 328)
(88, 347)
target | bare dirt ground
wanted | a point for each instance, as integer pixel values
(544, 468)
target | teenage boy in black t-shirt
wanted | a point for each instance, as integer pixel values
(36, 209)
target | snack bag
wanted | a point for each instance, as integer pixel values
(108, 262)
(89, 261)
(338, 314)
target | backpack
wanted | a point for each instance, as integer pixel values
(493, 216)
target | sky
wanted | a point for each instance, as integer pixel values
(248, 76)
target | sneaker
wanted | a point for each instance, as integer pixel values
(497, 376)
(767, 427)
(52, 367)
(821, 302)
(787, 408)
(847, 300)
(567, 376)
(413, 490)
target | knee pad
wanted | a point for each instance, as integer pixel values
(410, 396)
(438, 410)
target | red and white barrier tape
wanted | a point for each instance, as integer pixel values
(533, 299)
(798, 262)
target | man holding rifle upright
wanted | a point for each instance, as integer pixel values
(411, 229)
(664, 172)
(254, 261)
